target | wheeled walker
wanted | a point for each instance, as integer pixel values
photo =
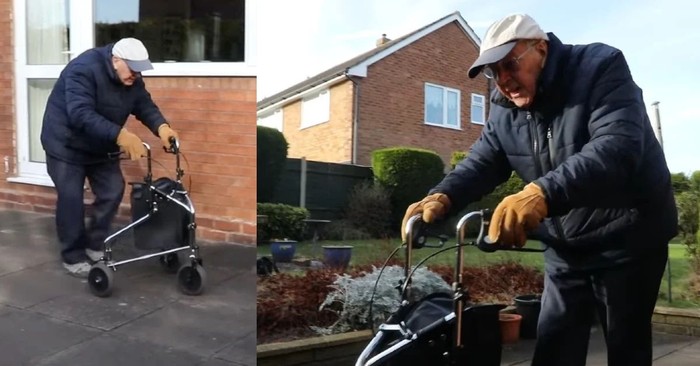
(163, 219)
(440, 328)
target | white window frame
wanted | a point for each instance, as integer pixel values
(445, 91)
(82, 21)
(315, 108)
(273, 119)
(479, 101)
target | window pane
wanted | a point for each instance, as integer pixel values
(176, 30)
(315, 109)
(452, 109)
(47, 32)
(433, 104)
(477, 108)
(477, 113)
(38, 90)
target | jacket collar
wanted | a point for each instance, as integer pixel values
(547, 84)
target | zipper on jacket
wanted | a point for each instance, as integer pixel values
(536, 156)
(550, 143)
(535, 146)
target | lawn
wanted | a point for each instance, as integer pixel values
(376, 251)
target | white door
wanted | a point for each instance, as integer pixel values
(48, 33)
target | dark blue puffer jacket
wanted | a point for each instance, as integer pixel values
(88, 107)
(588, 143)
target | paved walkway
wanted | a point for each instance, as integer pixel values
(669, 350)
(50, 318)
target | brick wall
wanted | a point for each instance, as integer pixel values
(7, 93)
(392, 96)
(216, 121)
(331, 141)
(215, 118)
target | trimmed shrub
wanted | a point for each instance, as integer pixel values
(272, 150)
(283, 222)
(408, 174)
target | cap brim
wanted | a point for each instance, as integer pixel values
(493, 55)
(140, 65)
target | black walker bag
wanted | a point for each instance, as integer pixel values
(167, 227)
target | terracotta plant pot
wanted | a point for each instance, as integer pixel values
(510, 327)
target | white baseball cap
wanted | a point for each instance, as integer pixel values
(134, 53)
(502, 36)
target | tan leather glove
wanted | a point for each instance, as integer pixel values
(433, 207)
(517, 214)
(131, 144)
(165, 133)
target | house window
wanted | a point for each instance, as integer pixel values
(186, 37)
(273, 119)
(315, 109)
(441, 106)
(478, 109)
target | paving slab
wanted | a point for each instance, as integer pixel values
(109, 350)
(237, 353)
(27, 337)
(50, 318)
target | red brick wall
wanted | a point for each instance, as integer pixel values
(330, 141)
(216, 121)
(7, 92)
(392, 95)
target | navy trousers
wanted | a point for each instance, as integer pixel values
(107, 184)
(624, 297)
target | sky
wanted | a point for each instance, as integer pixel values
(660, 40)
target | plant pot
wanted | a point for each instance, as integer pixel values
(283, 250)
(337, 256)
(510, 327)
(529, 307)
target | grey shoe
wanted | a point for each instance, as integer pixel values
(80, 269)
(94, 255)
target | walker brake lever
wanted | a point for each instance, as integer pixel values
(174, 146)
(422, 232)
(484, 243)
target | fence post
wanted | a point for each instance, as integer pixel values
(302, 184)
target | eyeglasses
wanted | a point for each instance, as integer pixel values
(491, 71)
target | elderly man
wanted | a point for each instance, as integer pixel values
(83, 136)
(571, 122)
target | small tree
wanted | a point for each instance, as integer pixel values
(369, 209)
(688, 223)
(456, 157)
(272, 156)
(680, 183)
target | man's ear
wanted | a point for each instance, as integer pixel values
(542, 47)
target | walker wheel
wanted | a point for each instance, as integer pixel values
(170, 262)
(101, 280)
(191, 279)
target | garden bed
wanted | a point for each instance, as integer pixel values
(288, 303)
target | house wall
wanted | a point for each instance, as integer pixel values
(216, 121)
(391, 111)
(330, 141)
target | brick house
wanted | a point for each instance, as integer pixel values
(204, 82)
(404, 92)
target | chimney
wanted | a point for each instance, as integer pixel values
(382, 41)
